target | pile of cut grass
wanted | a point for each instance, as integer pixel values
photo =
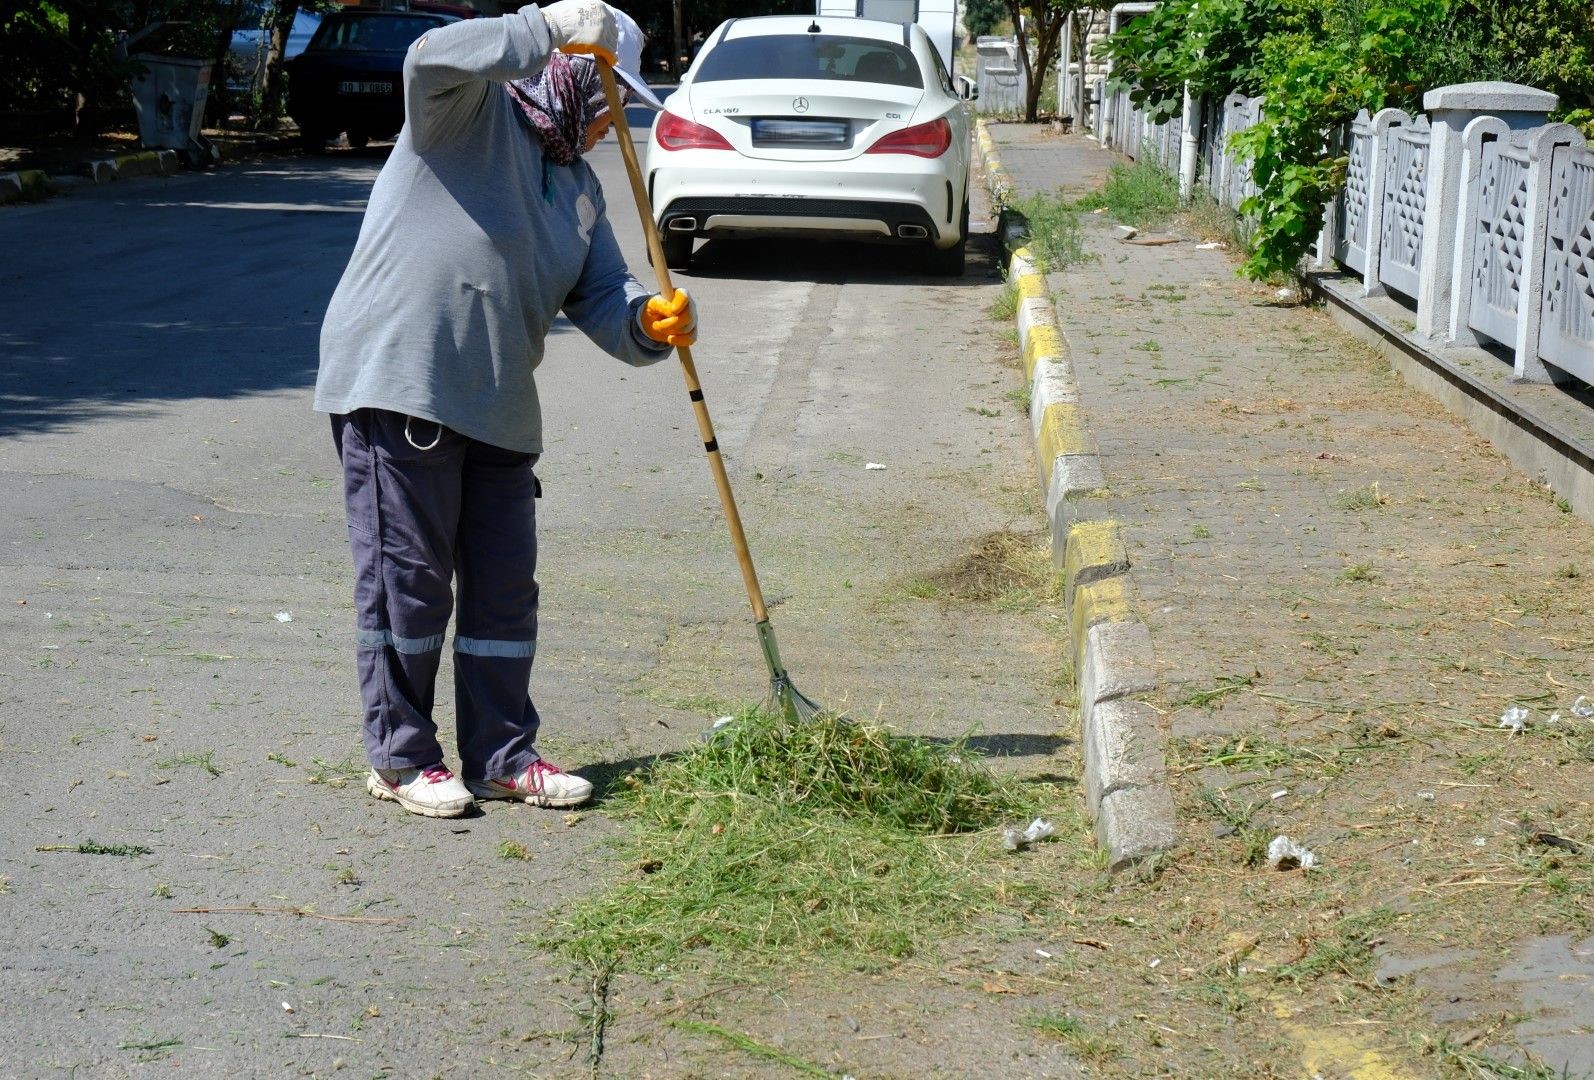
(777, 841)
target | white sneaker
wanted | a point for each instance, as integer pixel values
(432, 791)
(541, 784)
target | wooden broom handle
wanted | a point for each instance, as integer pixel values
(694, 389)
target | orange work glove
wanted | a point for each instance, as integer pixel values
(672, 321)
(583, 27)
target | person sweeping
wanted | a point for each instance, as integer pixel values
(484, 224)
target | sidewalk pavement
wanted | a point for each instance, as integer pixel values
(1344, 590)
(29, 173)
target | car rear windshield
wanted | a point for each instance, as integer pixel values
(371, 33)
(811, 56)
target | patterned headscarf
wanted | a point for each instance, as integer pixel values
(560, 102)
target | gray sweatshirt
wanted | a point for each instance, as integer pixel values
(462, 262)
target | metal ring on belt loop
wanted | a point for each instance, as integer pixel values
(411, 439)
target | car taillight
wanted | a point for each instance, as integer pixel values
(677, 133)
(921, 140)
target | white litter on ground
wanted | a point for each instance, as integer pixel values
(284, 616)
(1285, 854)
(1581, 708)
(1514, 719)
(874, 466)
(1014, 839)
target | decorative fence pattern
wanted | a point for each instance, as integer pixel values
(1488, 231)
(1405, 200)
(1567, 337)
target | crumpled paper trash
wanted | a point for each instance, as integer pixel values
(1015, 839)
(1581, 708)
(1285, 854)
(1514, 719)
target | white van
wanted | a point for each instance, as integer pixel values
(938, 17)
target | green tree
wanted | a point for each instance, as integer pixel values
(1317, 62)
(982, 16)
(1038, 28)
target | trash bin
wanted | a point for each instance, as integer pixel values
(999, 77)
(169, 97)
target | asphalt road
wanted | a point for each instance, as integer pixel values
(176, 662)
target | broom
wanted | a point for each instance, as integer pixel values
(791, 700)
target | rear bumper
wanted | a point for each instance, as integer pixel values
(860, 219)
(870, 197)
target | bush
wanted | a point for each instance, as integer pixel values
(1317, 62)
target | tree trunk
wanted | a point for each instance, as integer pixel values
(1047, 30)
(271, 100)
(80, 37)
(678, 41)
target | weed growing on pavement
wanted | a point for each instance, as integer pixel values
(1005, 306)
(777, 842)
(1080, 1039)
(513, 849)
(1348, 951)
(1140, 194)
(1211, 222)
(1366, 498)
(1359, 573)
(1055, 235)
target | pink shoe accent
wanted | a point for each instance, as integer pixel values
(536, 771)
(436, 774)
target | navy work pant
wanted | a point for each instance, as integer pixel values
(456, 519)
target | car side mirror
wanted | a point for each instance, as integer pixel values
(966, 89)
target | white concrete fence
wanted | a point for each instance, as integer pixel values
(1478, 214)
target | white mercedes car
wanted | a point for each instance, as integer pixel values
(827, 127)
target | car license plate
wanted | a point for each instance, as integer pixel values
(355, 86)
(768, 132)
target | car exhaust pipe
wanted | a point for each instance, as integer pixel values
(683, 224)
(912, 232)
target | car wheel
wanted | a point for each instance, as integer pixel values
(949, 262)
(314, 138)
(359, 139)
(678, 250)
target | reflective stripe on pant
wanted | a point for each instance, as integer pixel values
(460, 512)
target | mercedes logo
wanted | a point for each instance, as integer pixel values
(800, 105)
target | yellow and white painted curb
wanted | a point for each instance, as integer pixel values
(37, 184)
(123, 166)
(1125, 772)
(27, 184)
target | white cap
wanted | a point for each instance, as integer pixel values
(629, 69)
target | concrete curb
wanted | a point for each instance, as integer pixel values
(1126, 789)
(34, 184)
(27, 185)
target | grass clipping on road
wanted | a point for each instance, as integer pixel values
(776, 841)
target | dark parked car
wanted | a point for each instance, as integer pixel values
(351, 77)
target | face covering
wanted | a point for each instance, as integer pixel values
(559, 103)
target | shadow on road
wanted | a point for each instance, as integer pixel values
(839, 263)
